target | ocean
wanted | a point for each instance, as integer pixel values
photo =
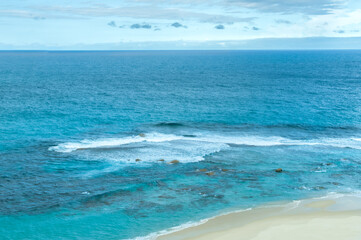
(87, 139)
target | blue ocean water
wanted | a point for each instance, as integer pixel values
(72, 125)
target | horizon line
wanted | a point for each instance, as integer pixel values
(179, 50)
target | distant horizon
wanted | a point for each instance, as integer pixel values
(179, 50)
(310, 43)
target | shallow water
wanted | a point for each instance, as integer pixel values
(72, 125)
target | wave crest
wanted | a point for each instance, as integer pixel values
(153, 146)
(113, 142)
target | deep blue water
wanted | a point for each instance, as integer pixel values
(72, 125)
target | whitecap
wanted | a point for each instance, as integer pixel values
(153, 146)
(113, 142)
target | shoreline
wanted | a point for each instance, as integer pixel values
(334, 216)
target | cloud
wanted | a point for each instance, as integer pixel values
(36, 15)
(228, 11)
(178, 25)
(219, 27)
(112, 24)
(282, 21)
(138, 26)
(39, 18)
(340, 20)
(308, 7)
(255, 28)
(152, 11)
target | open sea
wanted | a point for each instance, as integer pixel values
(86, 138)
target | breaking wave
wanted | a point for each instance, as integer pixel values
(151, 147)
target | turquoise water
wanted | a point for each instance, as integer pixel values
(72, 125)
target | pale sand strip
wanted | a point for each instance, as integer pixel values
(331, 219)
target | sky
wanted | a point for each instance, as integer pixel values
(179, 24)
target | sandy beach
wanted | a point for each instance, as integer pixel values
(327, 218)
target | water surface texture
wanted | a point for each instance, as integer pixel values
(73, 124)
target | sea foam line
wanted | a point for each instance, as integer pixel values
(260, 141)
(113, 142)
(183, 226)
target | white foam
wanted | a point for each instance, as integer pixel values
(154, 146)
(150, 148)
(186, 225)
(269, 141)
(113, 142)
(260, 141)
(155, 235)
(335, 195)
(280, 141)
(356, 139)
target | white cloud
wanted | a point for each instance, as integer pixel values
(143, 12)
(71, 22)
(340, 20)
